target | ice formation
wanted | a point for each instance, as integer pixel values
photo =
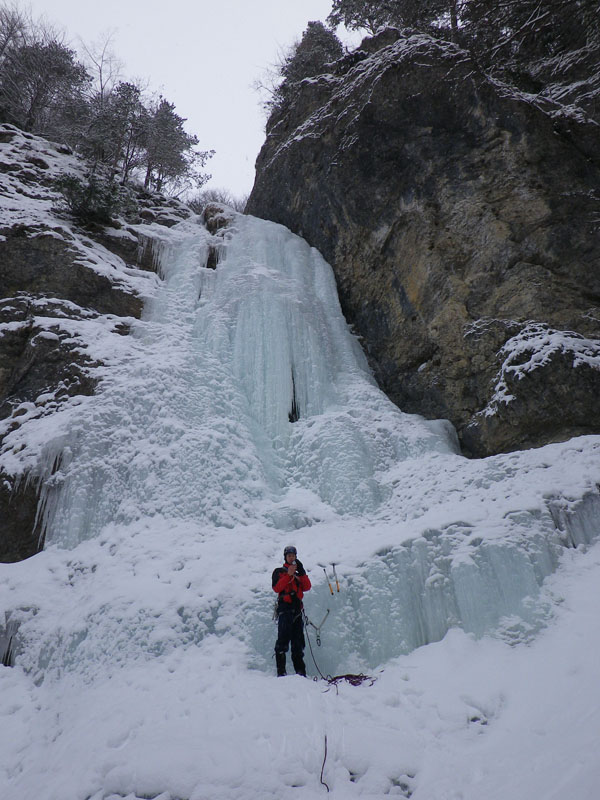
(241, 416)
(198, 426)
(245, 400)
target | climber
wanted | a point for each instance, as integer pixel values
(290, 582)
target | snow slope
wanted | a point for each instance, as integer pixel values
(144, 641)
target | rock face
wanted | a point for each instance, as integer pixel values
(64, 291)
(462, 221)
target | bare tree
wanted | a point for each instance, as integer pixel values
(13, 29)
(102, 64)
(205, 197)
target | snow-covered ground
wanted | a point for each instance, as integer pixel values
(468, 589)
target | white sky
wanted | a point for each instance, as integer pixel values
(203, 55)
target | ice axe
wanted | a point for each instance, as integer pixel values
(337, 583)
(327, 578)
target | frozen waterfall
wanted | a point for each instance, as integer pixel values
(198, 423)
(243, 410)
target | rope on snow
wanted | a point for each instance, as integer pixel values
(353, 680)
(323, 766)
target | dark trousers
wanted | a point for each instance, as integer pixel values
(290, 630)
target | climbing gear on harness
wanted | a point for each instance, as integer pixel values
(337, 583)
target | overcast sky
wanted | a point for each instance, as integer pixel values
(203, 55)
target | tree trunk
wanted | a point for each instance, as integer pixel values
(454, 19)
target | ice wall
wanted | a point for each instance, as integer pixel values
(243, 410)
(408, 596)
(242, 382)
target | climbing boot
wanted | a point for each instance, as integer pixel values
(299, 666)
(280, 661)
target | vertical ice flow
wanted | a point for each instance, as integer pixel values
(244, 383)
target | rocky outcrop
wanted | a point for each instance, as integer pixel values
(457, 214)
(67, 294)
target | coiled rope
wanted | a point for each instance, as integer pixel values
(352, 679)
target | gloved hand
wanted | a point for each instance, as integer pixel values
(301, 570)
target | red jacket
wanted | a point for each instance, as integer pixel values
(288, 587)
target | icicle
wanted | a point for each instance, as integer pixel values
(294, 414)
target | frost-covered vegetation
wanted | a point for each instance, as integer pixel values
(46, 87)
(549, 49)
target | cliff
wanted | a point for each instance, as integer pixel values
(68, 295)
(462, 221)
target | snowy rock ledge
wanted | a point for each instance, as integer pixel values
(69, 297)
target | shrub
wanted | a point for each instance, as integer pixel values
(96, 201)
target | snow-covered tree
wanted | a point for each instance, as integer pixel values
(170, 157)
(371, 16)
(205, 197)
(45, 88)
(525, 30)
(117, 129)
(318, 46)
(38, 83)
